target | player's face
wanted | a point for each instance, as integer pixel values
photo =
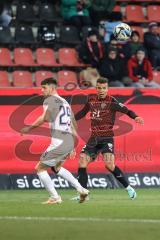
(47, 90)
(102, 89)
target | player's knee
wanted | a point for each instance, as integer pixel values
(40, 168)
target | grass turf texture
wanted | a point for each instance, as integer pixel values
(109, 214)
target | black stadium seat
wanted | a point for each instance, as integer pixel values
(69, 34)
(24, 35)
(47, 12)
(5, 35)
(25, 12)
(46, 34)
(86, 30)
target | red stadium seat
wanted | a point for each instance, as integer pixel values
(117, 8)
(156, 76)
(41, 75)
(23, 57)
(140, 31)
(22, 79)
(153, 13)
(4, 80)
(46, 57)
(5, 57)
(134, 13)
(67, 79)
(68, 57)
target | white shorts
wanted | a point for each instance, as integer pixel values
(58, 150)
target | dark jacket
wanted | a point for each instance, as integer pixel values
(152, 41)
(112, 69)
(92, 53)
(143, 70)
(103, 5)
(131, 48)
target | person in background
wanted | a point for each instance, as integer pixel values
(75, 12)
(92, 51)
(140, 70)
(110, 24)
(101, 9)
(152, 44)
(113, 68)
(130, 48)
(5, 16)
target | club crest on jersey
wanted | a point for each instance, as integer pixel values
(103, 105)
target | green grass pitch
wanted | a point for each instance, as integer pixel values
(109, 214)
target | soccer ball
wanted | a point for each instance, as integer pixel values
(122, 32)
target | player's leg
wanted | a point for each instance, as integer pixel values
(87, 155)
(118, 174)
(48, 184)
(67, 175)
(83, 162)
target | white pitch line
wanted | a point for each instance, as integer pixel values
(72, 219)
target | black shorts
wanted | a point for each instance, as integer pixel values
(96, 145)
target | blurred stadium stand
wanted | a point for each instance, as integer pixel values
(38, 43)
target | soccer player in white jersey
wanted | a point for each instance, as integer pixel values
(58, 113)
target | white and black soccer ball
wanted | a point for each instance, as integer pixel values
(122, 32)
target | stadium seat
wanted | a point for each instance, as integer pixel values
(46, 34)
(41, 75)
(22, 79)
(68, 57)
(139, 30)
(156, 76)
(23, 57)
(4, 80)
(117, 8)
(69, 34)
(67, 79)
(5, 35)
(86, 30)
(47, 12)
(153, 13)
(5, 57)
(46, 57)
(25, 12)
(24, 35)
(134, 13)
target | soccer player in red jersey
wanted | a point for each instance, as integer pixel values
(103, 110)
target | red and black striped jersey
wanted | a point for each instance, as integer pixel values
(103, 113)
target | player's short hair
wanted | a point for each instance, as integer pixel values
(49, 81)
(102, 80)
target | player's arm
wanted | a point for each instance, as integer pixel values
(82, 112)
(119, 107)
(45, 117)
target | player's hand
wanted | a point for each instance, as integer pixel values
(25, 130)
(72, 154)
(139, 120)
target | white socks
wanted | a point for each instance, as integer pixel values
(48, 184)
(64, 173)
